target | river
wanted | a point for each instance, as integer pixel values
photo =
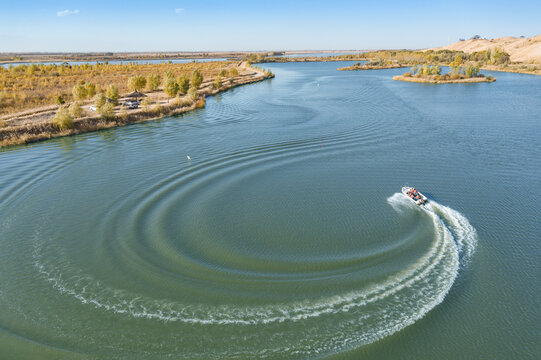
(270, 224)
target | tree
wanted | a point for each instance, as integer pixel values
(192, 93)
(183, 84)
(99, 100)
(137, 82)
(107, 111)
(59, 100)
(62, 119)
(223, 72)
(75, 110)
(112, 93)
(153, 82)
(171, 87)
(90, 90)
(196, 79)
(233, 72)
(217, 82)
(79, 92)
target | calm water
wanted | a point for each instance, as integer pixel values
(285, 235)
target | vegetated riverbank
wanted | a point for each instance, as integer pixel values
(431, 79)
(32, 126)
(26, 87)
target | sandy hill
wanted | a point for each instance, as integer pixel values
(527, 50)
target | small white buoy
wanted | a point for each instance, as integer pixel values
(188, 157)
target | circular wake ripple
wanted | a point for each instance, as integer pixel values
(316, 325)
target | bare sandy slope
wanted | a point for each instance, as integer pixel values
(527, 50)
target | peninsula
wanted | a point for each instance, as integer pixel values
(47, 101)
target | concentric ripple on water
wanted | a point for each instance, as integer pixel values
(265, 244)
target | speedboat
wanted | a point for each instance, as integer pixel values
(414, 195)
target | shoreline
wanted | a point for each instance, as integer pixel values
(372, 67)
(45, 130)
(434, 81)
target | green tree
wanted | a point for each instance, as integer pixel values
(75, 110)
(171, 87)
(196, 79)
(90, 90)
(99, 100)
(137, 82)
(79, 92)
(153, 82)
(62, 119)
(112, 93)
(183, 84)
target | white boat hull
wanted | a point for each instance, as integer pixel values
(419, 200)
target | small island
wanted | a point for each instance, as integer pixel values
(458, 73)
(376, 65)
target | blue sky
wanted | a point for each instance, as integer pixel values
(99, 25)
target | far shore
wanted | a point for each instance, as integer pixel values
(374, 67)
(431, 80)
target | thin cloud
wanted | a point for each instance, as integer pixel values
(178, 11)
(67, 12)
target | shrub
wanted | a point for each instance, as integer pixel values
(192, 93)
(99, 100)
(79, 92)
(153, 82)
(182, 101)
(223, 72)
(454, 76)
(217, 82)
(145, 104)
(123, 112)
(170, 87)
(490, 77)
(2, 124)
(408, 74)
(62, 119)
(112, 93)
(90, 90)
(59, 100)
(157, 109)
(234, 72)
(183, 84)
(107, 111)
(75, 110)
(196, 79)
(137, 82)
(200, 103)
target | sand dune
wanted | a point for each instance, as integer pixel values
(527, 50)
